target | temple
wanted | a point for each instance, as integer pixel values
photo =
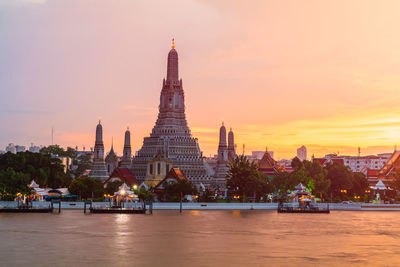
(127, 154)
(221, 169)
(99, 167)
(171, 134)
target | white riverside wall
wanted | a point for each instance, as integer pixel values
(216, 206)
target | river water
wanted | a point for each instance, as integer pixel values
(200, 238)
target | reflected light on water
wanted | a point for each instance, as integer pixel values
(194, 212)
(236, 213)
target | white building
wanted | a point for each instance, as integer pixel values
(34, 149)
(20, 148)
(357, 163)
(11, 148)
(302, 153)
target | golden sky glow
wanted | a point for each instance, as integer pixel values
(324, 74)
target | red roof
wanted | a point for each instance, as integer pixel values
(324, 161)
(124, 174)
(174, 173)
(372, 173)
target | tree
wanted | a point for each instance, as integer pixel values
(45, 170)
(87, 187)
(296, 164)
(341, 179)
(310, 174)
(12, 182)
(244, 178)
(146, 195)
(84, 163)
(173, 190)
(360, 184)
(113, 187)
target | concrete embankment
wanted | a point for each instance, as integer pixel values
(220, 206)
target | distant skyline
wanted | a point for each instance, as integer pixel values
(324, 74)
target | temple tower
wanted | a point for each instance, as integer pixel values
(99, 167)
(231, 146)
(171, 133)
(111, 160)
(127, 156)
(222, 148)
(221, 170)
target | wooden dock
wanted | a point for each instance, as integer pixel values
(117, 210)
(300, 209)
(27, 210)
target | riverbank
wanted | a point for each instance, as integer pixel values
(222, 206)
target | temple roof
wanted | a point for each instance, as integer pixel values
(124, 175)
(111, 157)
(174, 174)
(267, 161)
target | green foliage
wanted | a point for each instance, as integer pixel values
(144, 194)
(395, 184)
(206, 196)
(84, 163)
(87, 187)
(45, 170)
(244, 178)
(58, 151)
(173, 190)
(113, 187)
(12, 182)
(323, 182)
(310, 174)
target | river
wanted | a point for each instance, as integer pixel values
(200, 238)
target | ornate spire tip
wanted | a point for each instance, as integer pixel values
(173, 43)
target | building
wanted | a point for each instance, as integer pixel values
(268, 166)
(11, 148)
(258, 155)
(111, 160)
(121, 174)
(99, 168)
(302, 153)
(231, 145)
(34, 149)
(157, 169)
(171, 133)
(390, 170)
(126, 160)
(221, 169)
(356, 163)
(173, 176)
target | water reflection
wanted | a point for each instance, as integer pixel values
(216, 238)
(236, 213)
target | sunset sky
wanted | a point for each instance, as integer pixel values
(324, 74)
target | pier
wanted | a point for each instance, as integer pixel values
(18, 207)
(125, 208)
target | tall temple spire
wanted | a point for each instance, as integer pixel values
(231, 145)
(222, 148)
(171, 133)
(98, 167)
(172, 66)
(126, 157)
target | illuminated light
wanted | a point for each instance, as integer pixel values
(135, 187)
(123, 192)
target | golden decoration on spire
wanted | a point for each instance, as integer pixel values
(173, 43)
